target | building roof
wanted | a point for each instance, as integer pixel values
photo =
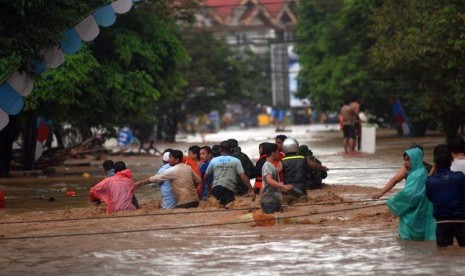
(273, 7)
(223, 8)
(225, 11)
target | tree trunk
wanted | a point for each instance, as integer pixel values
(7, 137)
(29, 142)
(420, 127)
(452, 121)
(55, 130)
(85, 132)
(171, 126)
(160, 128)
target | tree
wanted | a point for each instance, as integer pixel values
(332, 41)
(114, 82)
(142, 56)
(256, 76)
(216, 74)
(420, 42)
(26, 28)
(213, 76)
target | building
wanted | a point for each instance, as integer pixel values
(263, 26)
(250, 23)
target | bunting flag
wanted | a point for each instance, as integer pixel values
(401, 118)
(42, 135)
(11, 101)
(88, 29)
(4, 119)
(20, 84)
(53, 57)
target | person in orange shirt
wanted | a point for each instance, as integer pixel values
(259, 165)
(258, 170)
(194, 153)
(193, 164)
(279, 139)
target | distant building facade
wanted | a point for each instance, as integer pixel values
(263, 26)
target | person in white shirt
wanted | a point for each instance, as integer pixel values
(456, 145)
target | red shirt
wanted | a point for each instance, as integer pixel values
(116, 191)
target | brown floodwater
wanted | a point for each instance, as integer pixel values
(368, 249)
(285, 250)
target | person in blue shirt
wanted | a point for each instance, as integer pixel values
(225, 169)
(446, 191)
(205, 156)
(168, 199)
(108, 168)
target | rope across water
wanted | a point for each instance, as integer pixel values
(167, 213)
(179, 227)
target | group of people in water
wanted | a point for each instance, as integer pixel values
(432, 204)
(283, 172)
(430, 207)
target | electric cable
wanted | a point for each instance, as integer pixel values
(182, 227)
(178, 213)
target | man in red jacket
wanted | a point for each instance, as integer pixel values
(116, 191)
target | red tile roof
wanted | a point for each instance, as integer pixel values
(272, 6)
(224, 8)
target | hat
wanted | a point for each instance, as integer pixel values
(166, 155)
(290, 145)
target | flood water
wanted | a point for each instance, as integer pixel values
(232, 249)
(291, 250)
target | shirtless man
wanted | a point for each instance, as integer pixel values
(349, 113)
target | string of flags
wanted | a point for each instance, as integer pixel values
(20, 84)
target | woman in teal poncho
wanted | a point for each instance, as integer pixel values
(411, 205)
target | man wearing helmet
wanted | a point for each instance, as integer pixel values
(294, 167)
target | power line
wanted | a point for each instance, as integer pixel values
(185, 226)
(180, 213)
(277, 2)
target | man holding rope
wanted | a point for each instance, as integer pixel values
(225, 169)
(116, 191)
(183, 179)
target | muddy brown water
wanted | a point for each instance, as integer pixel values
(321, 249)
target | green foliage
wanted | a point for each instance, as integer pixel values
(421, 42)
(332, 42)
(213, 75)
(256, 77)
(142, 56)
(216, 74)
(27, 27)
(382, 50)
(116, 80)
(60, 94)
